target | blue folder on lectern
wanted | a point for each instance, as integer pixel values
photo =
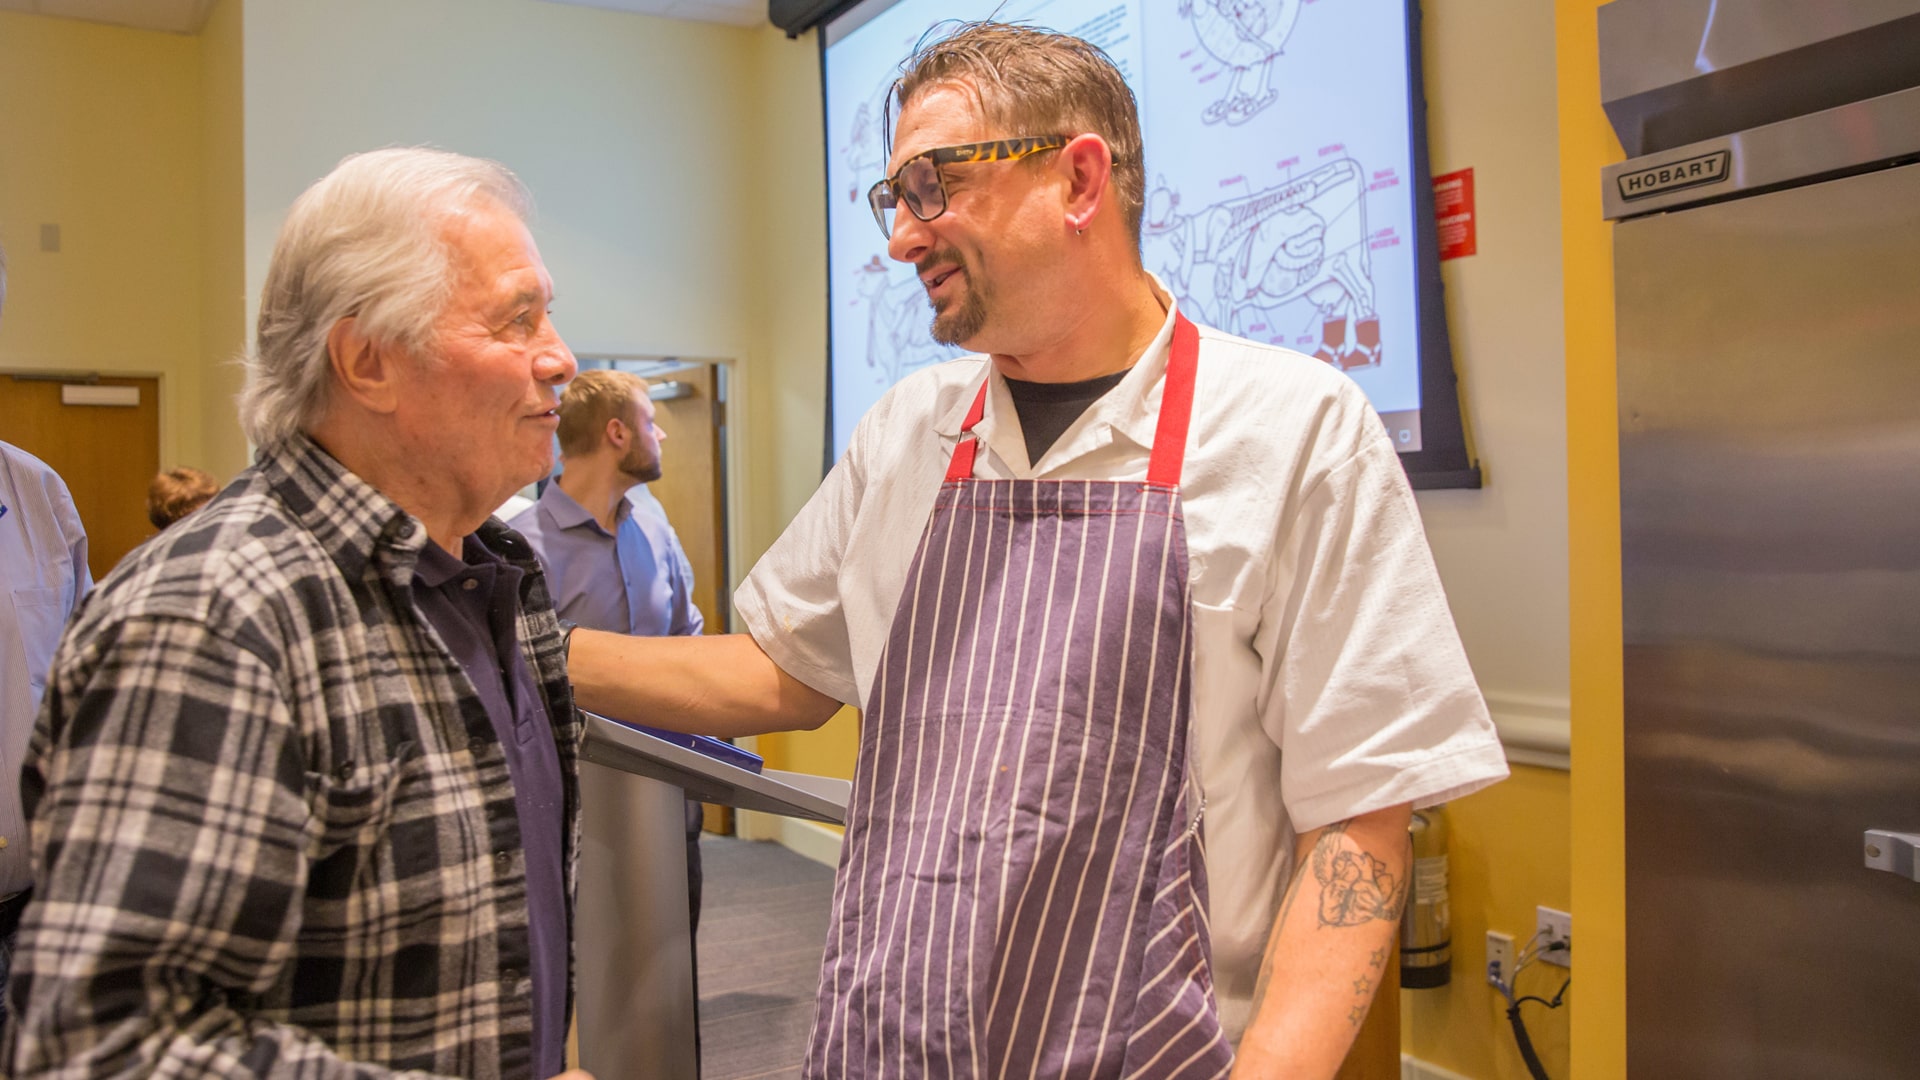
(717, 749)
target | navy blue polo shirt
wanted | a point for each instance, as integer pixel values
(473, 604)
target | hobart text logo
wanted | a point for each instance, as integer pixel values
(1674, 175)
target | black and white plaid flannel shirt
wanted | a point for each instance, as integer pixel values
(273, 832)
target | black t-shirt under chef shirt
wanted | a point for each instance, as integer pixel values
(1047, 410)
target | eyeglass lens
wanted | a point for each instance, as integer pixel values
(919, 188)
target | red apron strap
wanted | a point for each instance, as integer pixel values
(961, 468)
(1176, 407)
(1169, 437)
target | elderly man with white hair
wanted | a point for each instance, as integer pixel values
(303, 791)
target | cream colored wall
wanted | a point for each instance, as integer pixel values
(786, 424)
(674, 165)
(628, 129)
(675, 169)
(223, 291)
(632, 132)
(1502, 551)
(100, 133)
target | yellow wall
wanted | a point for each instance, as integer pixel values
(1593, 508)
(829, 751)
(100, 133)
(1508, 855)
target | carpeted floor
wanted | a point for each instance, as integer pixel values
(763, 926)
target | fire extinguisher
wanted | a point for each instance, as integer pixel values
(1426, 926)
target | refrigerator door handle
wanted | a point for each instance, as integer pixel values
(1894, 853)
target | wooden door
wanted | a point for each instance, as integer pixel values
(689, 407)
(692, 485)
(107, 454)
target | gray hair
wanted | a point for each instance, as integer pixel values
(363, 242)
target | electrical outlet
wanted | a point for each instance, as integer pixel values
(1499, 958)
(1554, 927)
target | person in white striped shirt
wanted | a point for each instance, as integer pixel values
(1153, 656)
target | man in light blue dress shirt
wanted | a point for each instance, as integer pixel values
(612, 561)
(43, 575)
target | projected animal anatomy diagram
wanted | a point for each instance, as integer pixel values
(1246, 36)
(1287, 264)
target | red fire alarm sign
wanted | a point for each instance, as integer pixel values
(1453, 212)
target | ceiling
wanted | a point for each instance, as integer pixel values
(188, 16)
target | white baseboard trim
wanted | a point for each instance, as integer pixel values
(1535, 730)
(807, 839)
(1412, 1068)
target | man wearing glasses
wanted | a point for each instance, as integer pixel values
(1153, 656)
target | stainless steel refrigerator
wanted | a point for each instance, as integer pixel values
(1768, 291)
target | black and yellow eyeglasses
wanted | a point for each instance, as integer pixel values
(921, 188)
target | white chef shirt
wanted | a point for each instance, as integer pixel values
(1328, 677)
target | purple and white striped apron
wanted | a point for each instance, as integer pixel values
(1022, 890)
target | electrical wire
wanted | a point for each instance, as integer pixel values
(1529, 952)
(1527, 955)
(1534, 1067)
(1555, 1003)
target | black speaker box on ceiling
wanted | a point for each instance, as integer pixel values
(797, 17)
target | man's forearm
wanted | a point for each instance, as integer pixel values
(722, 685)
(1329, 947)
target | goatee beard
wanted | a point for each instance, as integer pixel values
(961, 323)
(962, 319)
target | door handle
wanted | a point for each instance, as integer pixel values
(1894, 852)
(671, 391)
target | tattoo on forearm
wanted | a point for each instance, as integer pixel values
(1355, 887)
